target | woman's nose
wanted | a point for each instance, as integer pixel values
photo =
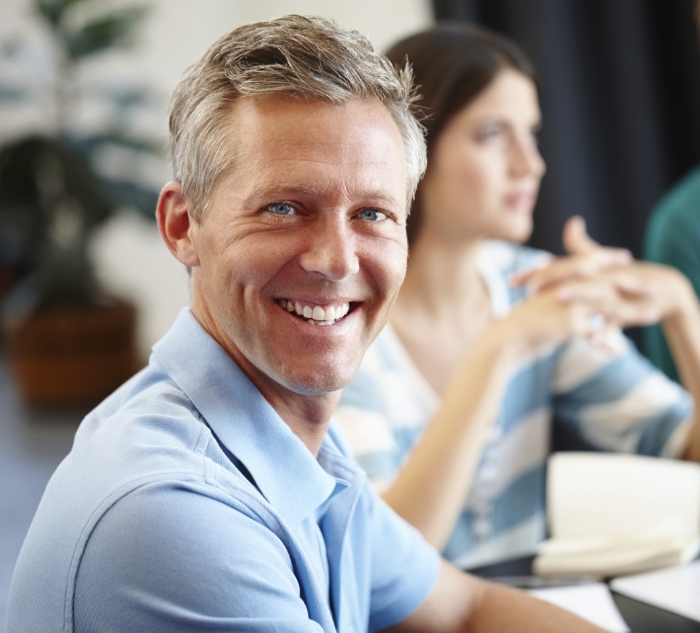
(526, 158)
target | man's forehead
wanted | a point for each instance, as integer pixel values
(314, 126)
(283, 139)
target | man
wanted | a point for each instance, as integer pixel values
(208, 493)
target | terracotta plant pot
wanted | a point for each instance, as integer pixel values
(74, 355)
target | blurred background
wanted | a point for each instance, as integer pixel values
(86, 287)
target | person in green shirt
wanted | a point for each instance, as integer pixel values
(673, 238)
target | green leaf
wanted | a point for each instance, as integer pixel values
(110, 31)
(54, 10)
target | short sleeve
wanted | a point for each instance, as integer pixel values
(172, 560)
(619, 402)
(404, 567)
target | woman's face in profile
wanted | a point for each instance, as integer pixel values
(485, 169)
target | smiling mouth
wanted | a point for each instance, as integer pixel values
(315, 314)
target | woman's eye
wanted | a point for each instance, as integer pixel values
(281, 208)
(488, 134)
(372, 215)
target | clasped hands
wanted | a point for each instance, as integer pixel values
(595, 291)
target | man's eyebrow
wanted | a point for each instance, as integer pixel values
(289, 190)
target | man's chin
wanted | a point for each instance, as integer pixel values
(315, 385)
(317, 379)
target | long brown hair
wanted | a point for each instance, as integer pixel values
(452, 63)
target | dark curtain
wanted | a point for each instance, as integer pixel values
(620, 96)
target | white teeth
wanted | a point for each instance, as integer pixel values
(316, 314)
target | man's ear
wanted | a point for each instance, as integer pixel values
(175, 222)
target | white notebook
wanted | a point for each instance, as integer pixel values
(612, 514)
(592, 602)
(676, 589)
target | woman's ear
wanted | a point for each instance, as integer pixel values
(174, 222)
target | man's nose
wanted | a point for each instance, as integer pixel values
(331, 250)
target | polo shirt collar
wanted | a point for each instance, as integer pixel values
(285, 471)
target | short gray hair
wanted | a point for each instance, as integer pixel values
(298, 56)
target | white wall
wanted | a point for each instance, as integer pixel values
(131, 260)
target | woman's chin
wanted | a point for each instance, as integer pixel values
(518, 229)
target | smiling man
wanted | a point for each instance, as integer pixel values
(210, 492)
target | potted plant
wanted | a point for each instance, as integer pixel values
(69, 342)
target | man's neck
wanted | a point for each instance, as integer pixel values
(308, 416)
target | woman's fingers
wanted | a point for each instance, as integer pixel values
(575, 237)
(564, 269)
(595, 308)
(586, 259)
(622, 300)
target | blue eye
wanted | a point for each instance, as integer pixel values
(371, 215)
(281, 208)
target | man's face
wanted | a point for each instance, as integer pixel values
(310, 218)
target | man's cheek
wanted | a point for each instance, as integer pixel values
(394, 257)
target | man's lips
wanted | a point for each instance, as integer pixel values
(314, 313)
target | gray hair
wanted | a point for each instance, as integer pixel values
(307, 57)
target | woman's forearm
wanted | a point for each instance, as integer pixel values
(431, 487)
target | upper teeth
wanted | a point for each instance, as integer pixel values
(316, 312)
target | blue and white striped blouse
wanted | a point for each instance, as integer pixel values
(614, 403)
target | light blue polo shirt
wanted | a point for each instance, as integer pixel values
(187, 504)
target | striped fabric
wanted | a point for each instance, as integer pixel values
(613, 403)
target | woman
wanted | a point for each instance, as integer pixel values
(455, 398)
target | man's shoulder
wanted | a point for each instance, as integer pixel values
(146, 441)
(141, 429)
(147, 431)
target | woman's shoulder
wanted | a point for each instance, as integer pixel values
(509, 257)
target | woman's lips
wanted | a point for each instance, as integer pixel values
(520, 201)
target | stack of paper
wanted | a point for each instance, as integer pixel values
(611, 515)
(676, 589)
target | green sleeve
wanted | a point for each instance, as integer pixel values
(673, 238)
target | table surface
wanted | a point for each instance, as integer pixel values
(640, 617)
